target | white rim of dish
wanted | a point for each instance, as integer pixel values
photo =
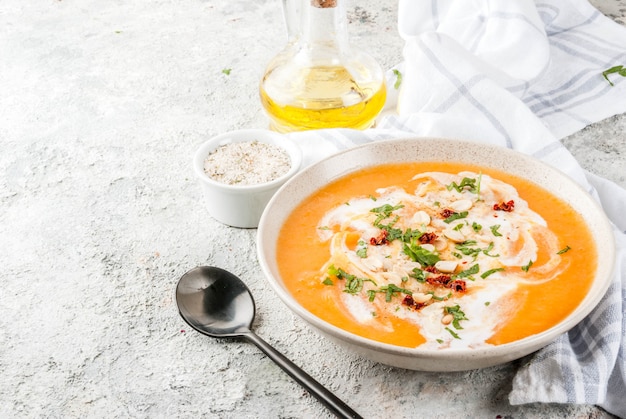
(524, 346)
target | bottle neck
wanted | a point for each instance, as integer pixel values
(324, 22)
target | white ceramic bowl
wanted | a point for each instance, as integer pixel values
(242, 205)
(425, 149)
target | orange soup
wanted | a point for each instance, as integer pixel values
(437, 255)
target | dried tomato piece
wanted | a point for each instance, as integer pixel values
(446, 213)
(438, 280)
(411, 303)
(504, 206)
(428, 238)
(431, 269)
(457, 285)
(381, 239)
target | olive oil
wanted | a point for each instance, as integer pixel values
(321, 97)
(318, 80)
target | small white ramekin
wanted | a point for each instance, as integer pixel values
(242, 205)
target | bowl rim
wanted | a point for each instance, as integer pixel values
(243, 135)
(522, 346)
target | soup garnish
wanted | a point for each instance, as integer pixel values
(437, 259)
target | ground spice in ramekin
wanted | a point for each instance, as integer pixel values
(246, 163)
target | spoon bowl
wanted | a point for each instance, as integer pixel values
(217, 303)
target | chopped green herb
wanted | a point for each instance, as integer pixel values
(618, 69)
(458, 227)
(476, 227)
(490, 272)
(328, 281)
(525, 268)
(465, 248)
(392, 233)
(354, 284)
(361, 250)
(324, 228)
(468, 183)
(436, 204)
(390, 289)
(489, 249)
(398, 82)
(227, 71)
(471, 271)
(437, 298)
(494, 230)
(411, 234)
(564, 250)
(456, 216)
(418, 274)
(420, 255)
(454, 335)
(457, 315)
(487, 303)
(439, 340)
(373, 198)
(386, 210)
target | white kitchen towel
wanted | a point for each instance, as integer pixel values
(522, 75)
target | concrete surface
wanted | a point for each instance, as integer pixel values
(101, 107)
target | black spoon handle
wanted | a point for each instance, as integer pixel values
(321, 393)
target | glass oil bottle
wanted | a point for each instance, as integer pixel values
(318, 80)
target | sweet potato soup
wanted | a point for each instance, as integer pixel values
(436, 255)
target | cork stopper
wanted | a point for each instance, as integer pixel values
(324, 4)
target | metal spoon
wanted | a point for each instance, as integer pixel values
(218, 304)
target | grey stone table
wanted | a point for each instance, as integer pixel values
(102, 104)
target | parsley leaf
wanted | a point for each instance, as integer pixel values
(494, 230)
(467, 250)
(456, 216)
(525, 268)
(564, 250)
(398, 82)
(619, 69)
(457, 315)
(385, 211)
(468, 183)
(471, 271)
(418, 274)
(420, 255)
(490, 272)
(437, 298)
(390, 289)
(361, 250)
(454, 335)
